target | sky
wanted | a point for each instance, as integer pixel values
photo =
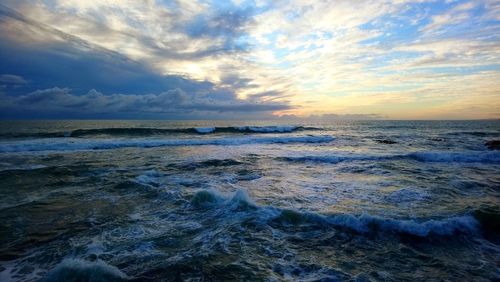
(239, 59)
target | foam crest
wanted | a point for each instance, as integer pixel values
(408, 194)
(369, 224)
(360, 223)
(150, 177)
(333, 159)
(241, 198)
(205, 198)
(236, 200)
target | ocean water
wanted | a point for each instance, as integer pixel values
(249, 201)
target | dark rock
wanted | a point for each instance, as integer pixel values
(493, 144)
(385, 141)
(489, 218)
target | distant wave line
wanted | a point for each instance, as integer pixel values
(146, 131)
(75, 144)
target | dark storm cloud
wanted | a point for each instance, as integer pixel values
(55, 70)
(233, 80)
(78, 64)
(55, 102)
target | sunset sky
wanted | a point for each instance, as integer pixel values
(397, 59)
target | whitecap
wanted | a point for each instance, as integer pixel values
(408, 194)
(150, 177)
(423, 156)
(75, 144)
(364, 223)
(457, 157)
(73, 269)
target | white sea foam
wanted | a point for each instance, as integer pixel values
(241, 197)
(212, 196)
(76, 144)
(361, 223)
(205, 130)
(150, 177)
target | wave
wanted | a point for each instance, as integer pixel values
(75, 144)
(12, 168)
(443, 227)
(407, 194)
(363, 224)
(489, 218)
(83, 270)
(457, 157)
(475, 133)
(145, 131)
(426, 156)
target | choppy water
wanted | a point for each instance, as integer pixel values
(365, 200)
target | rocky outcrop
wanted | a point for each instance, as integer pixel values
(385, 141)
(493, 144)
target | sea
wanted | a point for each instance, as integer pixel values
(249, 201)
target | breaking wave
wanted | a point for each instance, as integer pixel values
(75, 144)
(431, 156)
(364, 223)
(457, 157)
(145, 131)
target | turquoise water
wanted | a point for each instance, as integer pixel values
(257, 201)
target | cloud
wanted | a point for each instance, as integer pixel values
(76, 65)
(73, 62)
(455, 15)
(172, 103)
(228, 24)
(290, 58)
(11, 79)
(333, 117)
